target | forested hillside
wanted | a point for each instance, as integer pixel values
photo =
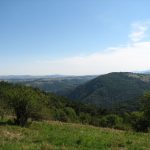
(113, 90)
(24, 104)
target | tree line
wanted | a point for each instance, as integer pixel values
(26, 104)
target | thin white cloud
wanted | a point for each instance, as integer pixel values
(139, 31)
(128, 58)
(134, 56)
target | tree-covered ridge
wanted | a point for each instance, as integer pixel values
(112, 89)
(25, 104)
(31, 103)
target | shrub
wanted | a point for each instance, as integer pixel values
(71, 114)
(110, 120)
(139, 122)
(61, 115)
(146, 105)
(85, 118)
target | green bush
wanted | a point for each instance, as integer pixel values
(110, 121)
(71, 114)
(146, 105)
(139, 122)
(85, 118)
(61, 115)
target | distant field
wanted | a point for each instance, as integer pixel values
(65, 136)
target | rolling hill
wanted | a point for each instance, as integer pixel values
(58, 84)
(113, 89)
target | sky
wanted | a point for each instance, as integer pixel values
(74, 37)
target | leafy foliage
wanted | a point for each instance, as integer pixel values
(139, 122)
(24, 101)
(146, 104)
(110, 120)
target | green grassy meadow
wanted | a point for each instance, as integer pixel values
(65, 136)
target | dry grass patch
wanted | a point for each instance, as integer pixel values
(12, 135)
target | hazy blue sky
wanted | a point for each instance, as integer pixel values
(74, 36)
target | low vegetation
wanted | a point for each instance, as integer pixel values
(67, 136)
(30, 110)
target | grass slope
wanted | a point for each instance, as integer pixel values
(64, 136)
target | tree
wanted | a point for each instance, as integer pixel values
(72, 117)
(139, 122)
(85, 118)
(61, 115)
(4, 109)
(146, 105)
(25, 102)
(110, 120)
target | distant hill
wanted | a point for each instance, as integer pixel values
(143, 72)
(113, 89)
(27, 77)
(147, 72)
(58, 84)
